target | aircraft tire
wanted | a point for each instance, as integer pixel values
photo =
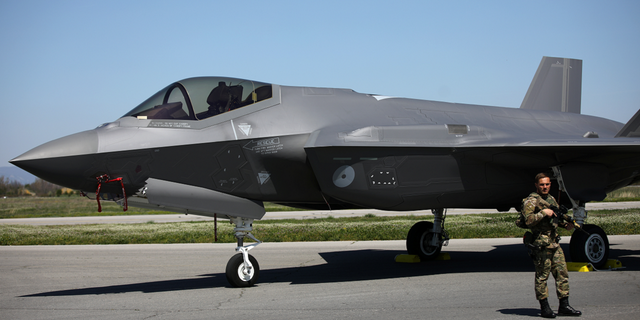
(236, 277)
(418, 239)
(593, 248)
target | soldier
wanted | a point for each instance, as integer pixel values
(549, 258)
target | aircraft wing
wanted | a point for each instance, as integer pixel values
(480, 163)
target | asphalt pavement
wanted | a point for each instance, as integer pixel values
(485, 279)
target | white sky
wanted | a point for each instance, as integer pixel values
(68, 66)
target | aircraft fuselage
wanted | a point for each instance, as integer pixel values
(314, 147)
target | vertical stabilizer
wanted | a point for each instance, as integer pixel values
(557, 86)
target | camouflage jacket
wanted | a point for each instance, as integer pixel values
(544, 229)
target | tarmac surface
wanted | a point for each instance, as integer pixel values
(275, 215)
(485, 279)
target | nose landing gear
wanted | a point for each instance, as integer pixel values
(243, 269)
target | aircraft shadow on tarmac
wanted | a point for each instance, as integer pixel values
(358, 265)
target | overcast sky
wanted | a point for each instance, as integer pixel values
(69, 66)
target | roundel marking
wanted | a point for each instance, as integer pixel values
(344, 176)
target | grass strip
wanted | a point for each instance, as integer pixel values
(496, 225)
(76, 206)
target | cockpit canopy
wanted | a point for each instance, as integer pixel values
(201, 98)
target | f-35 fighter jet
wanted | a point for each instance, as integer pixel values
(219, 147)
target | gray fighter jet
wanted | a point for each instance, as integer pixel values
(219, 147)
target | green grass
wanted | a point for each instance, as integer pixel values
(369, 227)
(76, 206)
(495, 225)
(631, 193)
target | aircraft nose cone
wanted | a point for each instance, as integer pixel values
(61, 161)
(85, 142)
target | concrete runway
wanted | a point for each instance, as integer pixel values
(485, 279)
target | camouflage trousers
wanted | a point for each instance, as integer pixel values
(551, 261)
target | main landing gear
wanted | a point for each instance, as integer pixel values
(592, 248)
(425, 239)
(243, 269)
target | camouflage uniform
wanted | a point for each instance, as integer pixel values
(550, 258)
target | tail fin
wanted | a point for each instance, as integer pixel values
(557, 86)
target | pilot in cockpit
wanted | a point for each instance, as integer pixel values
(224, 98)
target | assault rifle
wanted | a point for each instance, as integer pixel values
(561, 215)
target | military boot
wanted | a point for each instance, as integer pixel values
(566, 310)
(545, 309)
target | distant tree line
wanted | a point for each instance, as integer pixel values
(41, 188)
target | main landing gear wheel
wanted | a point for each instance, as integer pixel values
(418, 241)
(239, 275)
(592, 248)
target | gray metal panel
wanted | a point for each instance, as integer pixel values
(557, 86)
(200, 200)
(487, 127)
(80, 143)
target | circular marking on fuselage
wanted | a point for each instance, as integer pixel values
(344, 176)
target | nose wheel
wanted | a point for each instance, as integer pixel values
(243, 269)
(241, 274)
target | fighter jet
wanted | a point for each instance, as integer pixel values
(217, 146)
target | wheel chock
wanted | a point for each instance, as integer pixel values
(407, 258)
(412, 258)
(579, 266)
(613, 264)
